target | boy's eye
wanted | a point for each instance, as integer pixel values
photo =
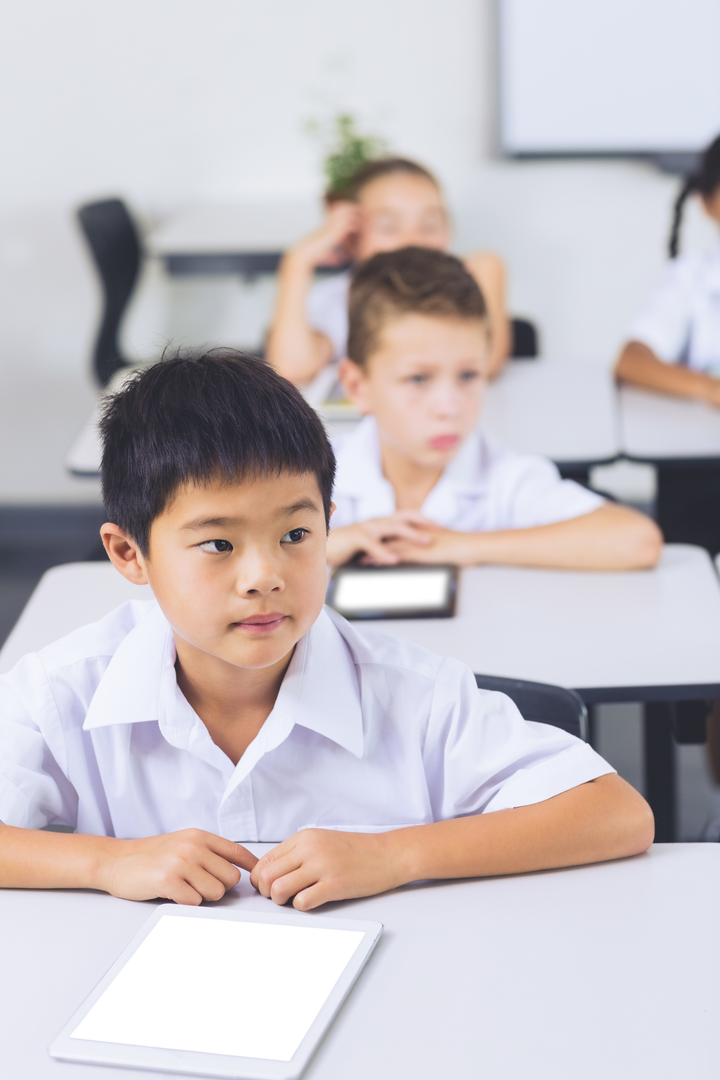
(294, 536)
(217, 547)
(418, 380)
(468, 376)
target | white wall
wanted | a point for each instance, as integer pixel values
(175, 102)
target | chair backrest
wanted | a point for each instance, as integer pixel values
(116, 250)
(525, 340)
(542, 702)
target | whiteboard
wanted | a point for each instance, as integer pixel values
(609, 76)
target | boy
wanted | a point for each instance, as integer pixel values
(417, 481)
(236, 708)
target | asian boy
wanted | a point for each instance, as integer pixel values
(418, 481)
(234, 707)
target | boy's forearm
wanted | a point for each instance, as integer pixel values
(600, 820)
(609, 538)
(32, 859)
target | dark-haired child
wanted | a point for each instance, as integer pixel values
(418, 481)
(674, 344)
(235, 708)
(389, 203)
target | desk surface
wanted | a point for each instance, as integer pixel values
(568, 412)
(565, 411)
(657, 427)
(599, 971)
(219, 229)
(646, 635)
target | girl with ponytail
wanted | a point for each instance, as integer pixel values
(674, 345)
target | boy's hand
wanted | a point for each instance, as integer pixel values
(188, 867)
(441, 546)
(376, 539)
(330, 244)
(318, 865)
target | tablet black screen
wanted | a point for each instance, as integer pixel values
(221, 986)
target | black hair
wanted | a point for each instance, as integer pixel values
(193, 416)
(704, 181)
(411, 280)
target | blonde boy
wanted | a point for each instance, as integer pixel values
(234, 707)
(418, 481)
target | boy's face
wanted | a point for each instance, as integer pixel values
(239, 568)
(423, 384)
(400, 211)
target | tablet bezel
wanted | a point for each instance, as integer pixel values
(193, 1063)
(446, 612)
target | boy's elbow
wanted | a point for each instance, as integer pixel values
(647, 544)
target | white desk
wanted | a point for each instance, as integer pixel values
(565, 411)
(640, 636)
(658, 428)
(568, 412)
(595, 972)
(241, 238)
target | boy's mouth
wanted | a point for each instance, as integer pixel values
(262, 624)
(444, 442)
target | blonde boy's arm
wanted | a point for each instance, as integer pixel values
(293, 347)
(600, 820)
(639, 366)
(610, 538)
(489, 272)
(188, 866)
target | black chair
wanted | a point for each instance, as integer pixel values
(542, 702)
(524, 343)
(116, 249)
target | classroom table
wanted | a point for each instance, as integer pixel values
(681, 438)
(661, 429)
(242, 238)
(565, 411)
(600, 971)
(651, 636)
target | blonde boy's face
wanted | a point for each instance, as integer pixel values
(400, 211)
(239, 569)
(423, 384)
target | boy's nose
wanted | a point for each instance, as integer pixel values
(258, 575)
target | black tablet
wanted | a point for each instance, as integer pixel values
(394, 592)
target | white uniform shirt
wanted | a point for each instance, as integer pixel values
(681, 322)
(485, 487)
(367, 733)
(327, 309)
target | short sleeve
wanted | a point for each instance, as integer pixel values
(665, 323)
(34, 791)
(531, 492)
(480, 755)
(327, 311)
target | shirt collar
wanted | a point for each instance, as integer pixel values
(360, 474)
(320, 690)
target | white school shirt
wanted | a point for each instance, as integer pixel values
(367, 733)
(681, 321)
(327, 308)
(484, 488)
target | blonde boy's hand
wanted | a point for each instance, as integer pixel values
(188, 867)
(442, 546)
(375, 539)
(316, 866)
(331, 244)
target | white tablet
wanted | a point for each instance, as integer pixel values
(220, 993)
(394, 592)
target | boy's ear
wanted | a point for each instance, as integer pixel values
(354, 383)
(124, 553)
